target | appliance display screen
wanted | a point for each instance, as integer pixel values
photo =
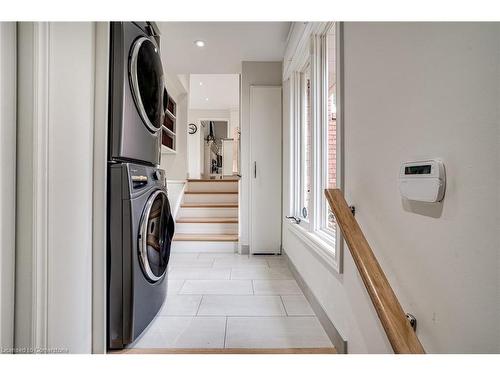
(418, 169)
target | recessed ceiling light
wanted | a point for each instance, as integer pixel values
(206, 99)
(201, 83)
(199, 43)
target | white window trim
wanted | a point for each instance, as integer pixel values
(312, 231)
(318, 245)
(316, 119)
(320, 207)
(295, 135)
(324, 130)
(305, 221)
(339, 37)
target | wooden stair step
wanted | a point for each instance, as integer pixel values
(210, 192)
(211, 205)
(205, 237)
(228, 220)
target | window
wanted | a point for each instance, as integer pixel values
(305, 143)
(330, 129)
(316, 131)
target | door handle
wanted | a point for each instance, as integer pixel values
(254, 169)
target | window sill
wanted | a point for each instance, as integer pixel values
(317, 245)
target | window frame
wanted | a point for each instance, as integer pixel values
(314, 54)
(325, 124)
(301, 94)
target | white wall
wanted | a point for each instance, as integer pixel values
(175, 193)
(234, 123)
(7, 180)
(227, 157)
(416, 91)
(194, 151)
(252, 73)
(70, 185)
(54, 218)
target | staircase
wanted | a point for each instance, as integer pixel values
(208, 217)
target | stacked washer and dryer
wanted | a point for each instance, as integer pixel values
(140, 224)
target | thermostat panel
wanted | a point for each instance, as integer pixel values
(423, 181)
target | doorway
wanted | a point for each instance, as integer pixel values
(208, 214)
(219, 149)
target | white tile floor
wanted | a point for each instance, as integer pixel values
(233, 301)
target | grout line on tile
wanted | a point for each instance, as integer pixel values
(302, 316)
(199, 305)
(284, 307)
(182, 286)
(225, 333)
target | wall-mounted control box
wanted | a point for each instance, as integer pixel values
(423, 181)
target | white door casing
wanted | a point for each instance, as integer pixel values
(100, 148)
(56, 67)
(7, 181)
(265, 169)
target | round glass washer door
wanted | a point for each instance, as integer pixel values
(155, 236)
(146, 79)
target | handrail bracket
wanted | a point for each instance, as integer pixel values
(412, 320)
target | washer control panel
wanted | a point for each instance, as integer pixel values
(143, 176)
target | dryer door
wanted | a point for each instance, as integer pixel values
(155, 236)
(146, 80)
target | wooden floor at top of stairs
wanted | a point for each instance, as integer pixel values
(210, 192)
(228, 351)
(210, 205)
(222, 220)
(205, 237)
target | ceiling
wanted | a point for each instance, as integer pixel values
(214, 91)
(227, 45)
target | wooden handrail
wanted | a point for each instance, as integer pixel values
(397, 327)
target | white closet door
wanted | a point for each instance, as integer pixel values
(265, 169)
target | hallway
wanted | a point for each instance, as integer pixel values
(365, 153)
(223, 300)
